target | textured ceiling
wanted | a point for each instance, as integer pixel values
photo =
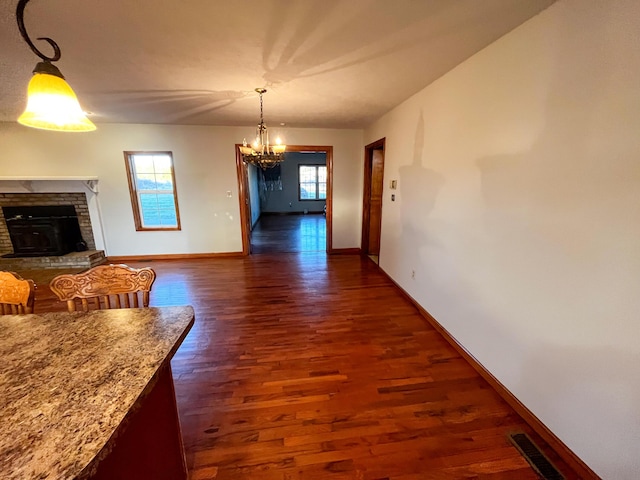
(325, 63)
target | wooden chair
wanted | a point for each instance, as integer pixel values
(105, 287)
(17, 295)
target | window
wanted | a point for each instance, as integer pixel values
(312, 182)
(153, 190)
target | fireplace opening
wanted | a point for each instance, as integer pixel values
(39, 231)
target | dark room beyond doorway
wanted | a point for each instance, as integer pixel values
(288, 205)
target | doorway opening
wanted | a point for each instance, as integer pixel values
(287, 208)
(372, 199)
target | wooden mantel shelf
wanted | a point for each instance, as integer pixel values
(62, 179)
(91, 182)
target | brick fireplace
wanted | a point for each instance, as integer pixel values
(78, 200)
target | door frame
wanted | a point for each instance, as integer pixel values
(243, 193)
(366, 193)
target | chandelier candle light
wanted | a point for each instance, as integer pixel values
(51, 103)
(260, 153)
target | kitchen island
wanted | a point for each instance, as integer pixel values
(90, 395)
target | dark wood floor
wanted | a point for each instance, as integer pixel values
(289, 234)
(304, 366)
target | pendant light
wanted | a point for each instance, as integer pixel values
(260, 153)
(51, 103)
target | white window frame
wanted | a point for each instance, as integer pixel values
(318, 183)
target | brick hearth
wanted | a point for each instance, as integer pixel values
(87, 259)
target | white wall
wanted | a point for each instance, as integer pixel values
(518, 207)
(205, 170)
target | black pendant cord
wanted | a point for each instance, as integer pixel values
(23, 31)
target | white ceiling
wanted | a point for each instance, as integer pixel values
(325, 63)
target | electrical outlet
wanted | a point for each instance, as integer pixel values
(413, 274)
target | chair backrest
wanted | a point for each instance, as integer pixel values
(16, 294)
(104, 287)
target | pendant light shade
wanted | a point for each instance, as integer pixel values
(51, 103)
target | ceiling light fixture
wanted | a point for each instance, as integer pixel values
(51, 103)
(260, 153)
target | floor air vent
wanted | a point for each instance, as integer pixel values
(540, 463)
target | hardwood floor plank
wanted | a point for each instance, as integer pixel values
(289, 233)
(304, 366)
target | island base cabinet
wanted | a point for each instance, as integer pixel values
(150, 446)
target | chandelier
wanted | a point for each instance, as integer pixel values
(51, 103)
(260, 153)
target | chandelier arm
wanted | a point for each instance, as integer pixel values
(23, 31)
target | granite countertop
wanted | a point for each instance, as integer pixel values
(67, 381)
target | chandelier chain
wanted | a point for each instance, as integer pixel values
(261, 115)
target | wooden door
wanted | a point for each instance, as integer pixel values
(375, 205)
(372, 197)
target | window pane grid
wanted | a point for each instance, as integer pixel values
(312, 182)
